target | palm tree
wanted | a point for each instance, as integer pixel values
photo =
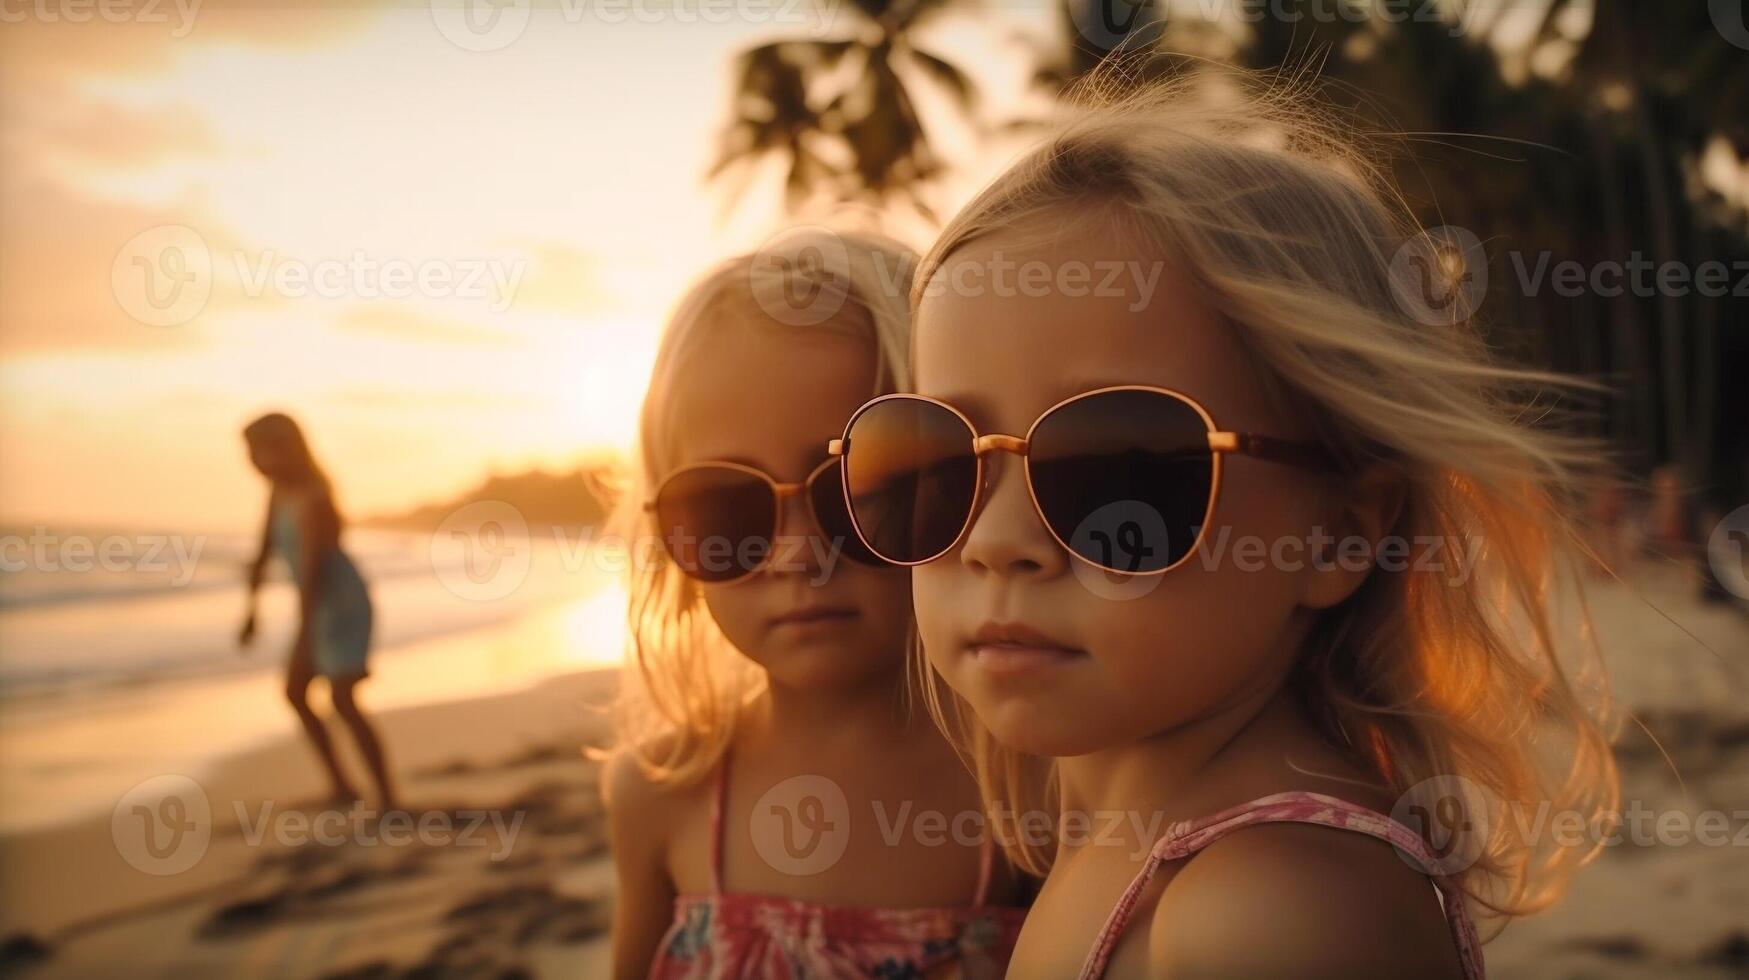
(841, 112)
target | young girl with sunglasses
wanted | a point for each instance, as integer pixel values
(770, 763)
(1171, 544)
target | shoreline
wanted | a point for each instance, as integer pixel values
(60, 762)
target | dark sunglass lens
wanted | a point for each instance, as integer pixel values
(827, 496)
(911, 476)
(716, 522)
(1124, 478)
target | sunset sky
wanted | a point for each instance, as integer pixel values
(341, 143)
(321, 158)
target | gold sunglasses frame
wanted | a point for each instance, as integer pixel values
(1220, 443)
(779, 493)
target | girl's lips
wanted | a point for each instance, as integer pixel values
(1015, 648)
(1006, 659)
(814, 616)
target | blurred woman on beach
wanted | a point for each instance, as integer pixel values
(334, 610)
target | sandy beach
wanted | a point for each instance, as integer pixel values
(508, 875)
(505, 871)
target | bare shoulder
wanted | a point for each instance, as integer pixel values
(1300, 900)
(627, 788)
(624, 783)
(645, 816)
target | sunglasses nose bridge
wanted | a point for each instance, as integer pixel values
(984, 446)
(786, 513)
(997, 442)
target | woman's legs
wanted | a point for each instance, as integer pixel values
(368, 744)
(297, 687)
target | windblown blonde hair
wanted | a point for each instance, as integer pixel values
(1289, 231)
(684, 686)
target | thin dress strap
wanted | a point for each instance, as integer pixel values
(986, 857)
(719, 805)
(1185, 839)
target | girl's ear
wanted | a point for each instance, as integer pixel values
(1363, 511)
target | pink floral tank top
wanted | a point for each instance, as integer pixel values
(729, 936)
(1185, 839)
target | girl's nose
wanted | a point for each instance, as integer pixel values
(794, 548)
(1007, 536)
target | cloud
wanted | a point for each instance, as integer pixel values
(45, 42)
(57, 251)
(561, 278)
(411, 323)
(60, 137)
(98, 135)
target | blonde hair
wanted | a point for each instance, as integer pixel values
(684, 685)
(1289, 232)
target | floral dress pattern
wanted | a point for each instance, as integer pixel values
(730, 936)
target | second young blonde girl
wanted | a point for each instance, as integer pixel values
(763, 798)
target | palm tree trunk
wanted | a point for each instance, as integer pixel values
(1670, 326)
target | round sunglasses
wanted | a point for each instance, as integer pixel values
(719, 520)
(1125, 478)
